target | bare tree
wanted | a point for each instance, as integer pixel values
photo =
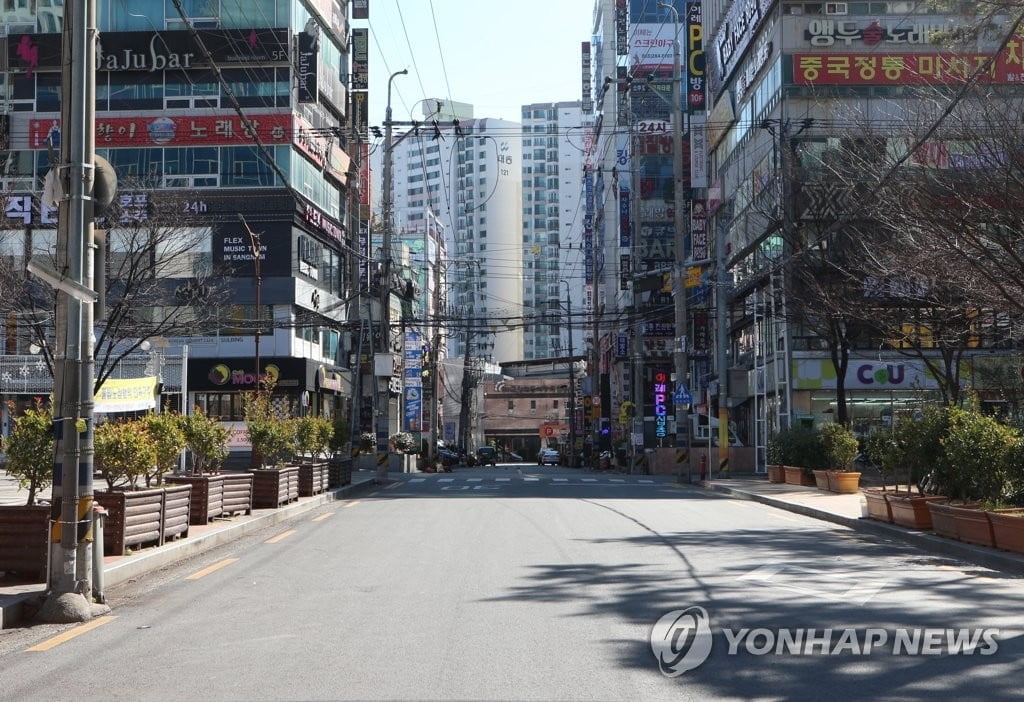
(159, 279)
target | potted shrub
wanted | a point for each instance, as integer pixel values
(169, 436)
(979, 450)
(798, 450)
(840, 448)
(886, 453)
(124, 454)
(339, 469)
(312, 441)
(206, 440)
(920, 447)
(24, 532)
(273, 439)
(404, 446)
(366, 455)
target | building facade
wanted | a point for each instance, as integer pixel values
(242, 128)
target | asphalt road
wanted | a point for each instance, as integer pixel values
(530, 583)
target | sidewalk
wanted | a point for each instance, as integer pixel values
(16, 599)
(851, 511)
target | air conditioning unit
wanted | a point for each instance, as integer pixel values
(835, 8)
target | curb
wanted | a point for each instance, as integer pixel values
(927, 541)
(12, 607)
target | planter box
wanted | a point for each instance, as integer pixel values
(237, 493)
(821, 480)
(878, 505)
(912, 511)
(797, 476)
(1008, 529)
(177, 510)
(339, 472)
(776, 474)
(25, 540)
(137, 517)
(312, 479)
(207, 495)
(844, 482)
(965, 522)
(273, 487)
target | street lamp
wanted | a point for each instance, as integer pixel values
(572, 380)
(254, 244)
(681, 356)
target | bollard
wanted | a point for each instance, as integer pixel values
(704, 467)
(99, 515)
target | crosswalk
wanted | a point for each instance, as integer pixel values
(534, 479)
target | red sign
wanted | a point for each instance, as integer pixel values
(879, 68)
(161, 130)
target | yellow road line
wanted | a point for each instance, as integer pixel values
(210, 569)
(71, 633)
(280, 537)
(322, 517)
(352, 504)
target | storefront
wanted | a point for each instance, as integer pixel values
(876, 390)
(299, 387)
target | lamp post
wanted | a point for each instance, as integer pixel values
(572, 380)
(681, 355)
(254, 244)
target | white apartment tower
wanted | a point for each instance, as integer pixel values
(471, 182)
(554, 272)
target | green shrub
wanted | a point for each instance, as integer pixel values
(31, 448)
(797, 446)
(168, 437)
(313, 436)
(272, 437)
(885, 452)
(124, 452)
(403, 442)
(839, 445)
(206, 439)
(979, 451)
(921, 449)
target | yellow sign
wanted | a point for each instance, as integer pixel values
(126, 395)
(693, 277)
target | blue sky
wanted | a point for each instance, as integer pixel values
(495, 54)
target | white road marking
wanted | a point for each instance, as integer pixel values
(589, 480)
(418, 480)
(445, 480)
(858, 594)
(502, 480)
(473, 480)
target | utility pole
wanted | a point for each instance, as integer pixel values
(71, 547)
(572, 382)
(681, 352)
(387, 204)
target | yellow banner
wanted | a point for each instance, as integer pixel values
(126, 395)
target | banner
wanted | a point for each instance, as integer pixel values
(126, 395)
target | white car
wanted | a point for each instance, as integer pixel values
(548, 457)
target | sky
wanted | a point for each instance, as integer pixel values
(494, 54)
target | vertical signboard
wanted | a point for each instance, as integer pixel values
(413, 375)
(360, 9)
(588, 229)
(588, 103)
(694, 56)
(307, 67)
(621, 28)
(360, 59)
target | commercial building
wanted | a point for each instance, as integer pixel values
(237, 119)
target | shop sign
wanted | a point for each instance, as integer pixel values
(223, 375)
(929, 68)
(862, 374)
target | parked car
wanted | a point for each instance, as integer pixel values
(549, 456)
(487, 455)
(448, 458)
(513, 457)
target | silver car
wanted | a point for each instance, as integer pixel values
(548, 456)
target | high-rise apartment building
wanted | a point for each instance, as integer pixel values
(555, 142)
